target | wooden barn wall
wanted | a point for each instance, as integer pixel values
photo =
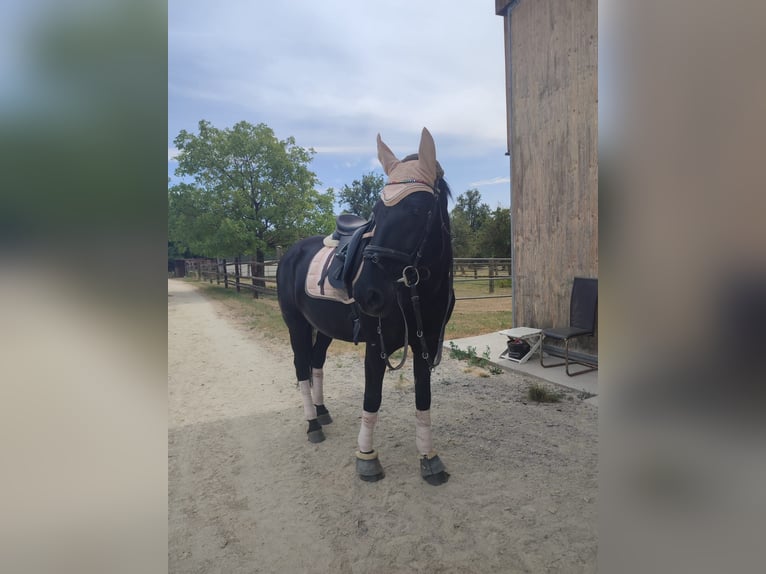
(553, 138)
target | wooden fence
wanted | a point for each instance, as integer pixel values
(241, 273)
(477, 270)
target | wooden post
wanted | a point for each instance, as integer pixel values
(260, 271)
(217, 271)
(492, 275)
(225, 275)
(236, 272)
(253, 267)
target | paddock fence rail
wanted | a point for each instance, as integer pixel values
(238, 273)
(494, 272)
(490, 275)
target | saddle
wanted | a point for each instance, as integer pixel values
(351, 234)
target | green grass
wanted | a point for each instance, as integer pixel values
(479, 316)
(471, 323)
(481, 287)
(262, 314)
(541, 394)
(474, 317)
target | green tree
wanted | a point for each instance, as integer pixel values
(468, 217)
(362, 195)
(470, 207)
(251, 192)
(462, 238)
(495, 235)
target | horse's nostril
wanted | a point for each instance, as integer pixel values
(374, 299)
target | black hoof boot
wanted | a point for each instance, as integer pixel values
(323, 415)
(432, 470)
(315, 433)
(368, 466)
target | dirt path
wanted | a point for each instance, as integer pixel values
(248, 492)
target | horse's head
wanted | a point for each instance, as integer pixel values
(410, 222)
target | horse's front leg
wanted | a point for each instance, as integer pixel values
(431, 467)
(368, 465)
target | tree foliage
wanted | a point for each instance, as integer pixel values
(362, 195)
(495, 237)
(469, 207)
(251, 192)
(477, 231)
(468, 216)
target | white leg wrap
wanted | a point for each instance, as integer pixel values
(365, 432)
(423, 439)
(317, 381)
(308, 405)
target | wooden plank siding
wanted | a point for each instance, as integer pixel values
(551, 57)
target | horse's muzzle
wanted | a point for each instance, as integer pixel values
(373, 302)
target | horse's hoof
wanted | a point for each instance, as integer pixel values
(316, 436)
(432, 470)
(368, 467)
(323, 415)
(315, 433)
(437, 479)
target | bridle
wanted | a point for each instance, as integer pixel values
(410, 277)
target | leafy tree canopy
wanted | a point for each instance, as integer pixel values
(470, 208)
(251, 192)
(477, 231)
(362, 195)
(495, 240)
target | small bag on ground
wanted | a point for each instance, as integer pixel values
(517, 348)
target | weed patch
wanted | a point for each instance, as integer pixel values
(473, 359)
(541, 394)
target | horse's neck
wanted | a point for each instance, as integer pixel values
(439, 260)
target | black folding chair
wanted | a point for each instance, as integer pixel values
(582, 322)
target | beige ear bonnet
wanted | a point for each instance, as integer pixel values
(406, 177)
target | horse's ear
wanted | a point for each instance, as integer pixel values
(427, 153)
(386, 157)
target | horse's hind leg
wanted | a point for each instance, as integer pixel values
(318, 356)
(301, 335)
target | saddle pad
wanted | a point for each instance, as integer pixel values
(325, 291)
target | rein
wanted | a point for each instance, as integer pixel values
(411, 278)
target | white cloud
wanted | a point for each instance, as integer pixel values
(338, 64)
(335, 73)
(493, 181)
(341, 150)
(172, 154)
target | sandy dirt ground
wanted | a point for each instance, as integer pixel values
(248, 492)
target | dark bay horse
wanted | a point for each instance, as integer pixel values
(398, 294)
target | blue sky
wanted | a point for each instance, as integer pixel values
(334, 73)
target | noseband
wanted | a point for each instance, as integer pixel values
(411, 278)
